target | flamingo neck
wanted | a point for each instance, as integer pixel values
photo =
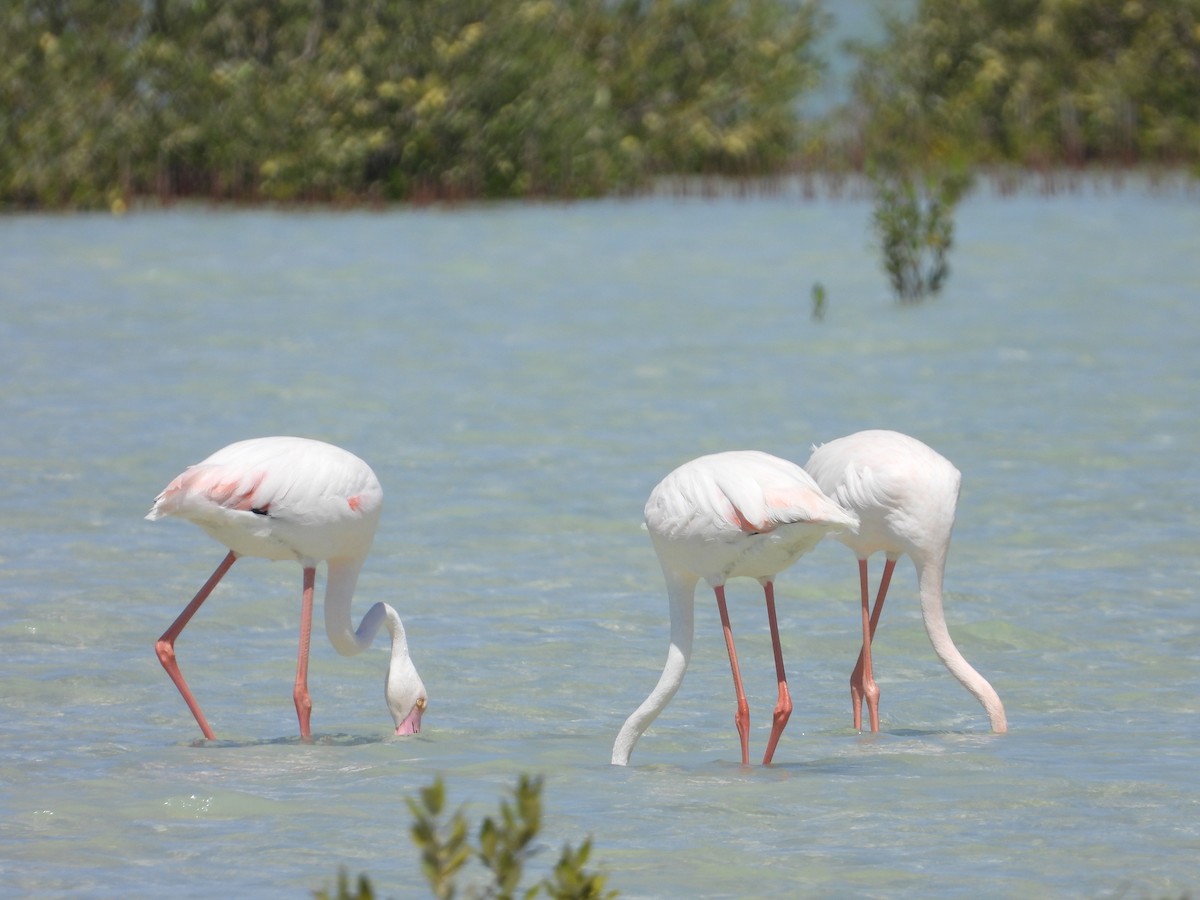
(403, 690)
(929, 580)
(340, 582)
(395, 629)
(681, 594)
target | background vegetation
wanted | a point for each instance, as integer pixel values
(1038, 83)
(102, 101)
(328, 100)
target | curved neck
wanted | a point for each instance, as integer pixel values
(929, 581)
(341, 580)
(681, 593)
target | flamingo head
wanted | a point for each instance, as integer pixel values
(406, 697)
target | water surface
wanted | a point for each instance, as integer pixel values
(520, 377)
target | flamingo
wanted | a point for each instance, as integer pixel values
(904, 494)
(294, 498)
(739, 513)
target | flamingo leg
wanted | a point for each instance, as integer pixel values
(742, 718)
(165, 646)
(884, 582)
(783, 707)
(862, 682)
(300, 691)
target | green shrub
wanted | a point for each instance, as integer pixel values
(104, 100)
(1036, 82)
(504, 844)
(913, 219)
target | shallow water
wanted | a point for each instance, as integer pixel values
(520, 377)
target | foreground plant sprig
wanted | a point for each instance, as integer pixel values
(504, 844)
(443, 848)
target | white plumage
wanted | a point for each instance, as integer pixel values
(280, 498)
(739, 513)
(905, 495)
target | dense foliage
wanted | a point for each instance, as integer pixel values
(329, 100)
(1035, 82)
(379, 100)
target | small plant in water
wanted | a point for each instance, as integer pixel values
(914, 221)
(364, 891)
(818, 302)
(503, 847)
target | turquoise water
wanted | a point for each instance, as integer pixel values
(520, 377)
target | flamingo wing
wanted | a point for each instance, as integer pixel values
(765, 492)
(279, 497)
(739, 492)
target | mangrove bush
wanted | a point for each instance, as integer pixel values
(352, 100)
(1036, 83)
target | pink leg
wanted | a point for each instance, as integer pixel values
(862, 681)
(165, 647)
(742, 718)
(300, 691)
(783, 707)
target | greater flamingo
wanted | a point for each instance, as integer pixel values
(904, 494)
(299, 499)
(740, 513)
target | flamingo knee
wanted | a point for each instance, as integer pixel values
(165, 650)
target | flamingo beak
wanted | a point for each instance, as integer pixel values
(412, 722)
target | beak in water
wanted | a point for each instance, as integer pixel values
(412, 722)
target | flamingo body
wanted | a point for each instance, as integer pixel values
(738, 513)
(291, 498)
(726, 515)
(280, 498)
(905, 495)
